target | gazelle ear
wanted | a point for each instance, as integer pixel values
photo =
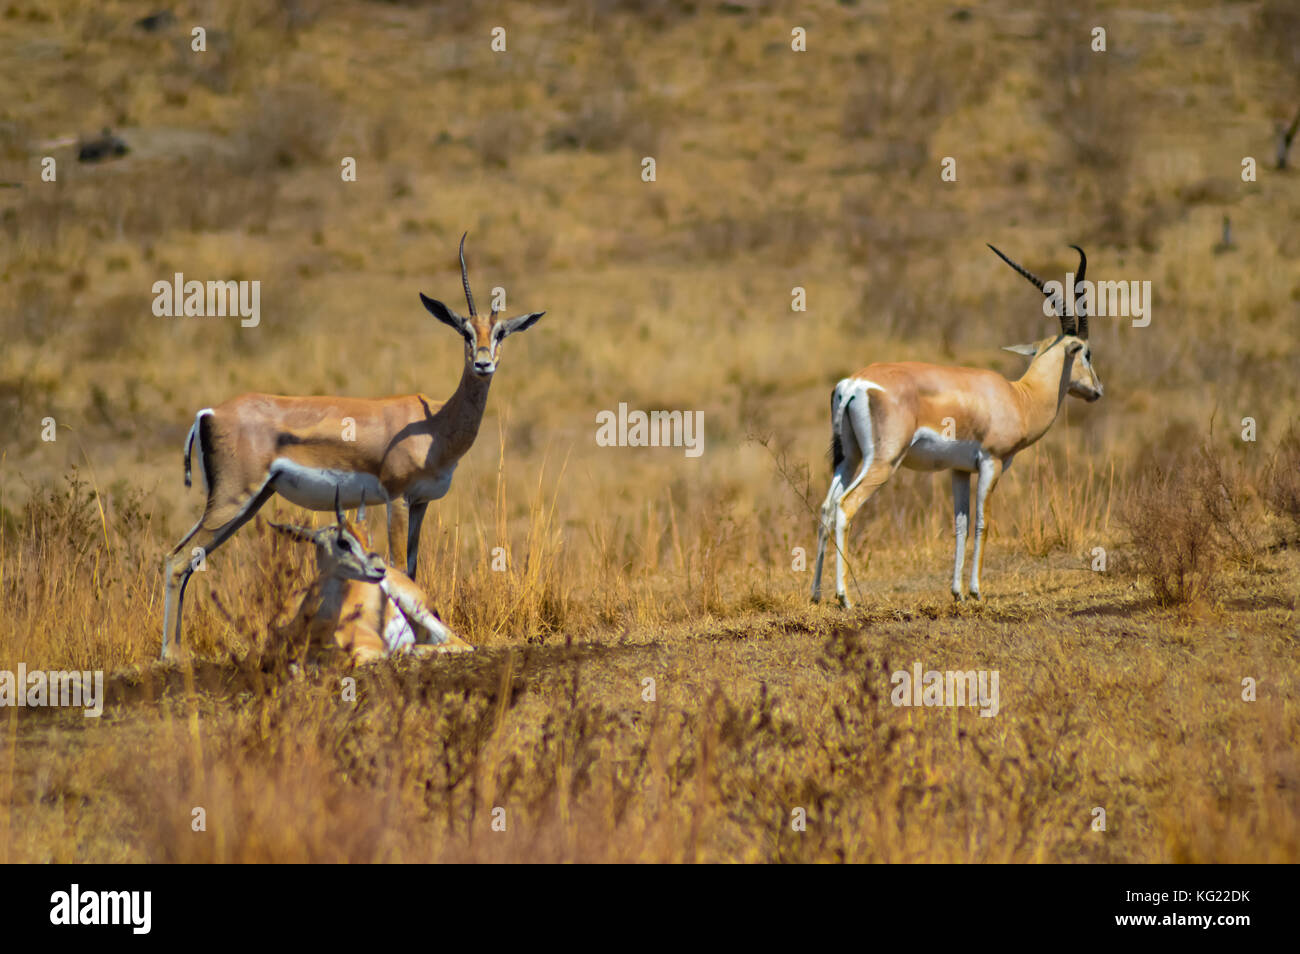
(301, 534)
(520, 323)
(1028, 350)
(443, 313)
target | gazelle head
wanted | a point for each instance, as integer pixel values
(483, 336)
(1084, 381)
(343, 550)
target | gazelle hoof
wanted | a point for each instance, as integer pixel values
(844, 601)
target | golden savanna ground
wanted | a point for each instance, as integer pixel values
(1120, 688)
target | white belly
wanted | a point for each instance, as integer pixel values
(314, 488)
(932, 451)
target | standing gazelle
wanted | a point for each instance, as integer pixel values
(400, 450)
(934, 417)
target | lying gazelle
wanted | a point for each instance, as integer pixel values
(359, 604)
(934, 417)
(399, 450)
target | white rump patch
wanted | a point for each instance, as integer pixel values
(857, 440)
(198, 444)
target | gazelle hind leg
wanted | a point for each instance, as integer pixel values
(880, 458)
(219, 524)
(177, 568)
(960, 522)
(847, 459)
(869, 481)
(454, 644)
(826, 525)
(362, 643)
(989, 473)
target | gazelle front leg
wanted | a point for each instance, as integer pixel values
(989, 472)
(961, 522)
(414, 522)
(399, 516)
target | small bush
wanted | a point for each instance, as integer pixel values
(1282, 482)
(607, 120)
(290, 126)
(1176, 548)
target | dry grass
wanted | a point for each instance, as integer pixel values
(1282, 487)
(1120, 689)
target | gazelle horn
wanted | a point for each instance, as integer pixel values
(1067, 326)
(464, 277)
(1081, 314)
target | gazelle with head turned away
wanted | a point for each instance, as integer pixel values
(933, 417)
(401, 451)
(358, 604)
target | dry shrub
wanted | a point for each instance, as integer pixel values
(1186, 517)
(258, 617)
(1228, 494)
(289, 126)
(502, 137)
(786, 234)
(655, 14)
(505, 587)
(60, 223)
(901, 94)
(1166, 517)
(1282, 480)
(74, 566)
(609, 119)
(1277, 32)
(1095, 140)
(14, 136)
(887, 97)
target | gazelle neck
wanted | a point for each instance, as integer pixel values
(464, 409)
(326, 590)
(1042, 388)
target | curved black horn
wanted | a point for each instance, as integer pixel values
(464, 277)
(338, 511)
(1039, 284)
(361, 510)
(1080, 314)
